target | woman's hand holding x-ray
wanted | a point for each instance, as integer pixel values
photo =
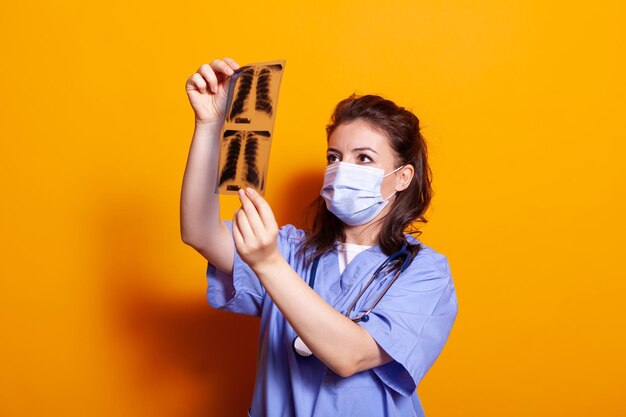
(207, 90)
(255, 231)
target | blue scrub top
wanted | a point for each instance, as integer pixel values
(411, 323)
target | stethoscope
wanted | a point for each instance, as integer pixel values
(301, 348)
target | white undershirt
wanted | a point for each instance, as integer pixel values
(346, 252)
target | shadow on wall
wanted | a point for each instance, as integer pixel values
(172, 354)
(300, 192)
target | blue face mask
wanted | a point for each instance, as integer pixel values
(352, 192)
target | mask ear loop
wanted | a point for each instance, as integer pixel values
(392, 194)
(386, 175)
(395, 170)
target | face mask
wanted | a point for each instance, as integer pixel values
(352, 192)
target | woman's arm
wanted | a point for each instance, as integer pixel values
(200, 223)
(342, 345)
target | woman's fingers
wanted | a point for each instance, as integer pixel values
(231, 62)
(237, 237)
(255, 242)
(220, 66)
(251, 214)
(209, 75)
(244, 226)
(196, 82)
(207, 89)
(263, 208)
(217, 70)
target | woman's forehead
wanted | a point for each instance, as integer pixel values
(355, 135)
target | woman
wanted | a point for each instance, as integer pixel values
(313, 359)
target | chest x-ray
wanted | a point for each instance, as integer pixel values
(248, 127)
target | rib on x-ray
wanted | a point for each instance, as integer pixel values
(250, 153)
(262, 97)
(249, 124)
(250, 170)
(244, 84)
(229, 170)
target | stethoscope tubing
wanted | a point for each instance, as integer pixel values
(402, 252)
(300, 348)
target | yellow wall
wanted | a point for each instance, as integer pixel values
(103, 308)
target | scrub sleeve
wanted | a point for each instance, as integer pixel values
(241, 292)
(412, 322)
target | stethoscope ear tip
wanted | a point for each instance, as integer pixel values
(301, 348)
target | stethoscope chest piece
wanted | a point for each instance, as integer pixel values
(300, 348)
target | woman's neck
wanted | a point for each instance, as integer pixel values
(366, 234)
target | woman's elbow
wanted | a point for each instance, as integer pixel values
(187, 239)
(347, 366)
(190, 238)
(194, 242)
(353, 364)
(344, 371)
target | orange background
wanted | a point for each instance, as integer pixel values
(522, 102)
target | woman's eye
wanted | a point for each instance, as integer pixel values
(364, 158)
(332, 158)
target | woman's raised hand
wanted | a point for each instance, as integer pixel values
(255, 231)
(207, 90)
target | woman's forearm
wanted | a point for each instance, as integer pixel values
(342, 345)
(200, 223)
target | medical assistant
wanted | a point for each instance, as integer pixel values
(411, 323)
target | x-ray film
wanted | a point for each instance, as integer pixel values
(248, 127)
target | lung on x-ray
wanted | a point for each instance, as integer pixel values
(248, 127)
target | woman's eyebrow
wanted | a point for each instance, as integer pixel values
(364, 149)
(353, 150)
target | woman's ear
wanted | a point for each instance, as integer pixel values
(404, 177)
